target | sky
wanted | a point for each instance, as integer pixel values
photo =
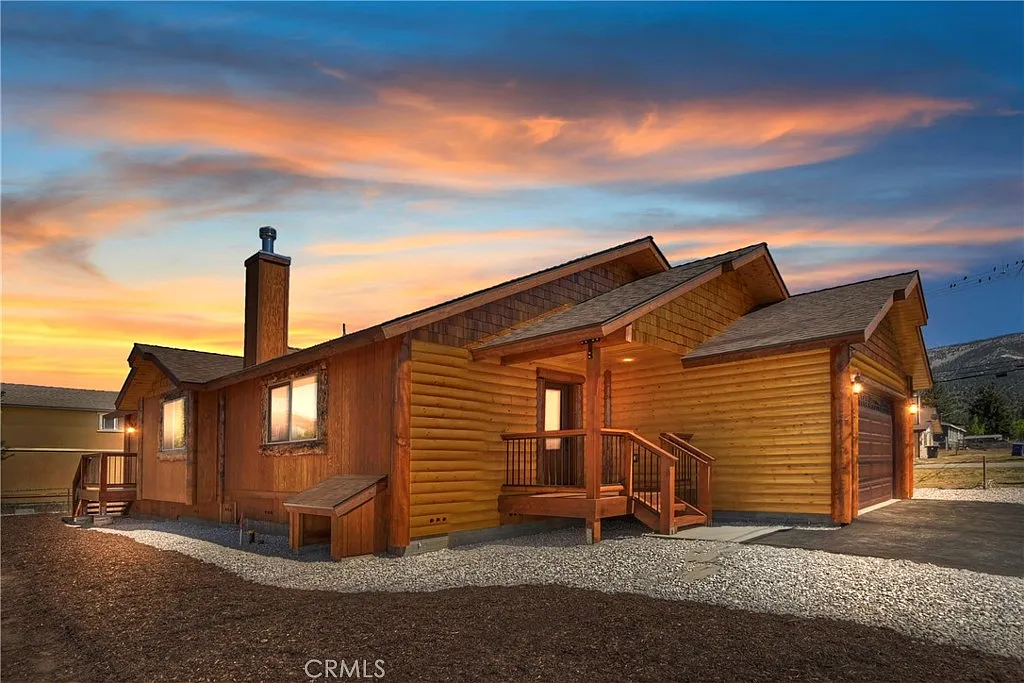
(410, 153)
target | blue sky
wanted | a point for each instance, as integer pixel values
(408, 153)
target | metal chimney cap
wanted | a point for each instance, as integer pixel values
(268, 235)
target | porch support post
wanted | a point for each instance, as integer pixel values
(592, 440)
(843, 426)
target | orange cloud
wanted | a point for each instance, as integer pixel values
(407, 136)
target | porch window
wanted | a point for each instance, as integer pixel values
(293, 410)
(173, 425)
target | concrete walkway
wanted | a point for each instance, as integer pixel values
(726, 534)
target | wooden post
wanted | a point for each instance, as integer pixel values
(704, 489)
(295, 531)
(221, 447)
(668, 495)
(843, 426)
(338, 538)
(855, 456)
(399, 482)
(607, 398)
(140, 447)
(103, 483)
(984, 472)
(592, 440)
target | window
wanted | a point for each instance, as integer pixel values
(110, 423)
(293, 411)
(552, 416)
(173, 425)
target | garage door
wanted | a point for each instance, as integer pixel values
(875, 462)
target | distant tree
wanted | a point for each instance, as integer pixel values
(943, 401)
(975, 427)
(1017, 430)
(992, 410)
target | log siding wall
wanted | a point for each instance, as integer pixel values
(767, 423)
(459, 410)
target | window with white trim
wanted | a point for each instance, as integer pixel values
(293, 410)
(110, 423)
(172, 437)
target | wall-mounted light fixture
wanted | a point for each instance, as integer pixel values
(856, 384)
(628, 360)
(914, 409)
(130, 429)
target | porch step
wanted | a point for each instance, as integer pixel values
(683, 521)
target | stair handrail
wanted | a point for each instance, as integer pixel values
(704, 464)
(666, 477)
(76, 483)
(683, 444)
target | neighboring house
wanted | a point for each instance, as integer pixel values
(45, 431)
(984, 441)
(928, 429)
(613, 384)
(952, 436)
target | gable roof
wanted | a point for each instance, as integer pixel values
(185, 366)
(643, 253)
(844, 313)
(35, 396)
(613, 309)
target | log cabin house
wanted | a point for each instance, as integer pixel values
(614, 384)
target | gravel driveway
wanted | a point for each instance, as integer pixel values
(970, 609)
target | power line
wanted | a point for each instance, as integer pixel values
(979, 279)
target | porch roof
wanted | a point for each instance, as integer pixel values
(613, 309)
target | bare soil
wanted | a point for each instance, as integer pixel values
(85, 606)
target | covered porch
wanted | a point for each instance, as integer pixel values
(579, 463)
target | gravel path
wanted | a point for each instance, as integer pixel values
(970, 609)
(999, 495)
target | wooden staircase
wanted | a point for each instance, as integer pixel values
(105, 484)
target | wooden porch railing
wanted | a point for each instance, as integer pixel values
(552, 458)
(105, 477)
(693, 475)
(650, 473)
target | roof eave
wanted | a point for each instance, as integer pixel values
(855, 337)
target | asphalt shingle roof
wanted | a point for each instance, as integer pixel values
(610, 305)
(193, 367)
(35, 396)
(823, 314)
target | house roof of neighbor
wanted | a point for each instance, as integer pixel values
(836, 312)
(188, 366)
(34, 396)
(621, 301)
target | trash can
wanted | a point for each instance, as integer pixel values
(1018, 449)
(933, 451)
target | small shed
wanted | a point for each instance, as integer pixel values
(348, 508)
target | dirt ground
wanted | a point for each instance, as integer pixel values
(83, 606)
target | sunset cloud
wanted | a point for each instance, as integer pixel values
(479, 145)
(411, 155)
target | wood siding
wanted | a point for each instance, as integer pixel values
(358, 439)
(459, 409)
(686, 321)
(497, 317)
(767, 423)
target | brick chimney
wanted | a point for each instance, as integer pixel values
(266, 302)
